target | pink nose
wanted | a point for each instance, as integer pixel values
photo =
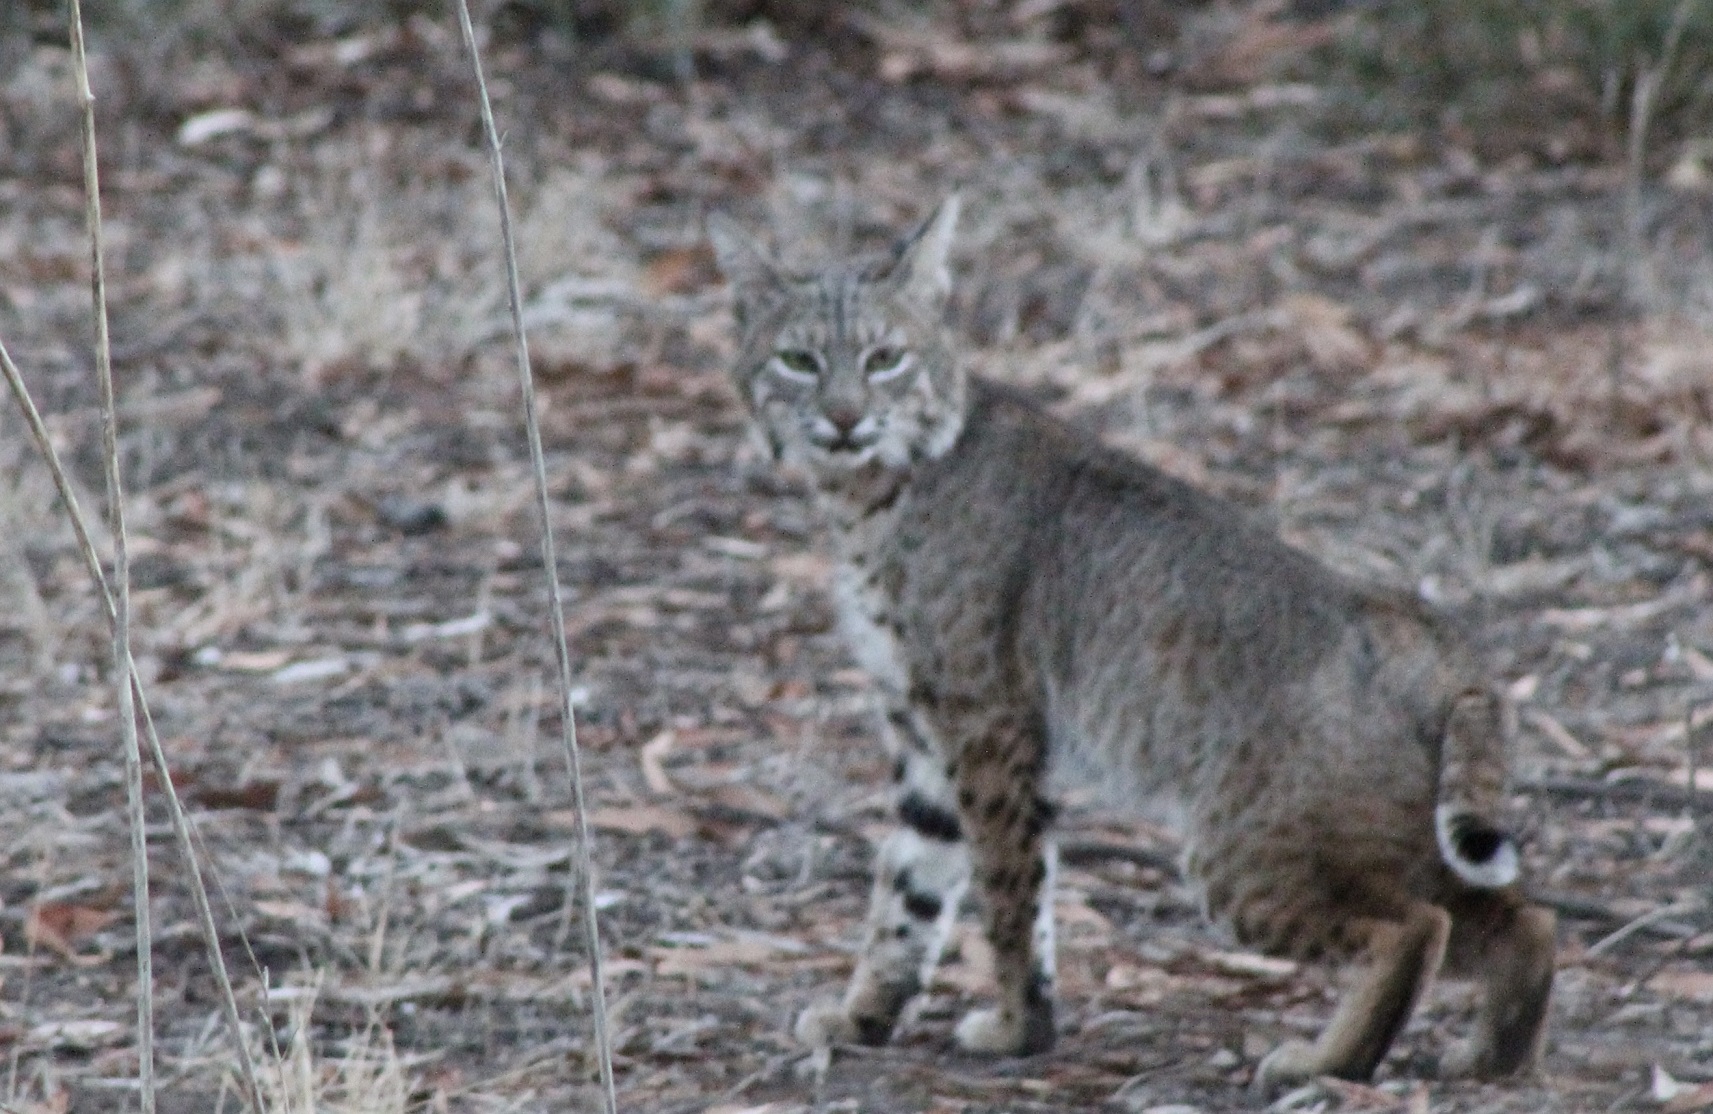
(844, 416)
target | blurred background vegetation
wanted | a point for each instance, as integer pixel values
(1557, 77)
(1566, 70)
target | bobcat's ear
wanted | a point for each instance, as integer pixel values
(746, 265)
(919, 267)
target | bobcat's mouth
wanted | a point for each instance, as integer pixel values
(847, 443)
(851, 445)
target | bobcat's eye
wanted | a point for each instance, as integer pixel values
(797, 364)
(885, 362)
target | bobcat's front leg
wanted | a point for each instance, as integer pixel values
(998, 779)
(920, 876)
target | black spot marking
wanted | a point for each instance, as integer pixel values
(899, 769)
(924, 907)
(1039, 1032)
(929, 819)
(966, 799)
(993, 807)
(872, 1031)
(887, 500)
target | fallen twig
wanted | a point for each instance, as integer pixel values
(1636, 925)
(1587, 909)
(1660, 793)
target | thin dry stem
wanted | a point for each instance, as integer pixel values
(549, 562)
(182, 832)
(1644, 102)
(122, 665)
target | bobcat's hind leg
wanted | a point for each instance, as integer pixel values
(1509, 945)
(1014, 865)
(1398, 960)
(921, 873)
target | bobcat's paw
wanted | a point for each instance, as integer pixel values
(1475, 1059)
(993, 1032)
(828, 1023)
(824, 1024)
(1465, 1059)
(988, 1032)
(1287, 1065)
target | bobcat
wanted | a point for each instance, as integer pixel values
(1034, 606)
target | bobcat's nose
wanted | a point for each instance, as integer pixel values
(844, 416)
(843, 429)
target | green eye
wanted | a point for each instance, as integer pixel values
(885, 362)
(798, 362)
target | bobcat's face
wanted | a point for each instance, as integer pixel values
(848, 365)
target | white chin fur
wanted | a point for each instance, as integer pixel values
(1501, 870)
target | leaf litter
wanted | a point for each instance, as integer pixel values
(1401, 359)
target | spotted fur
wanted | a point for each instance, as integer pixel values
(1036, 608)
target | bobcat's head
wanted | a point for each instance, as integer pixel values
(848, 364)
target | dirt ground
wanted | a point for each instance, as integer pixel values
(1489, 378)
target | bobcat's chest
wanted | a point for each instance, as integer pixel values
(868, 608)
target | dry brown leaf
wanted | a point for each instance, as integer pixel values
(679, 271)
(642, 819)
(259, 796)
(1360, 1096)
(253, 661)
(1326, 331)
(1248, 964)
(749, 800)
(295, 912)
(806, 569)
(652, 758)
(82, 1034)
(913, 49)
(1695, 986)
(750, 949)
(60, 926)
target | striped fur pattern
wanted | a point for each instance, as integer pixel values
(1036, 609)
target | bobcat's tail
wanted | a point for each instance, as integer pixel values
(1471, 793)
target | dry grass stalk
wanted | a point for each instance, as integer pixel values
(122, 665)
(133, 700)
(175, 807)
(1644, 103)
(550, 563)
(367, 1078)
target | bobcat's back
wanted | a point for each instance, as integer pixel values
(1182, 660)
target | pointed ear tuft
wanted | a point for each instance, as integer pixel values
(921, 267)
(745, 263)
